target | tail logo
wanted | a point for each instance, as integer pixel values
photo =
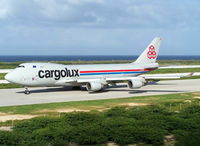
(151, 54)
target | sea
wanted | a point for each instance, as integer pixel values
(88, 58)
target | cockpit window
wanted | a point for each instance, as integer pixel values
(21, 66)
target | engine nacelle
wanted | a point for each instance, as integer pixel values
(94, 86)
(134, 84)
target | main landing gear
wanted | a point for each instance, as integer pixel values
(26, 91)
(76, 88)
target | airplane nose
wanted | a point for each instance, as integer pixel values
(9, 77)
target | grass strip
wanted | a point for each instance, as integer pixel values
(10, 86)
(12, 65)
(178, 70)
(169, 101)
(2, 76)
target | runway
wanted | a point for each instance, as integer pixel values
(9, 97)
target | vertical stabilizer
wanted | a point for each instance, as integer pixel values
(150, 53)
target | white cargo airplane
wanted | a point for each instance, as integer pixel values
(95, 77)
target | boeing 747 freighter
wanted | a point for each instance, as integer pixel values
(94, 77)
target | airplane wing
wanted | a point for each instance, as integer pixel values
(119, 79)
(146, 77)
(179, 66)
(166, 76)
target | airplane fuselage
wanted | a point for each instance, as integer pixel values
(50, 74)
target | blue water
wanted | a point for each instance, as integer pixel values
(87, 58)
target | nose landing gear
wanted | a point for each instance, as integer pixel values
(26, 91)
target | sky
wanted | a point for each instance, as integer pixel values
(98, 27)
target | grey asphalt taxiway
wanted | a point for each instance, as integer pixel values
(9, 97)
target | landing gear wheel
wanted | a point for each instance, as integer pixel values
(26, 91)
(76, 88)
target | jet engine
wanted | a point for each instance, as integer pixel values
(136, 83)
(94, 86)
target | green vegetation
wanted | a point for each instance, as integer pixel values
(2, 76)
(170, 101)
(193, 77)
(9, 85)
(12, 65)
(121, 125)
(183, 78)
(179, 70)
(175, 114)
(9, 65)
(178, 62)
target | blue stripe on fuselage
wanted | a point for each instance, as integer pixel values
(111, 73)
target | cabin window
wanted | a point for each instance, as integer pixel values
(21, 66)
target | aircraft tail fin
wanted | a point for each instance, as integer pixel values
(150, 53)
